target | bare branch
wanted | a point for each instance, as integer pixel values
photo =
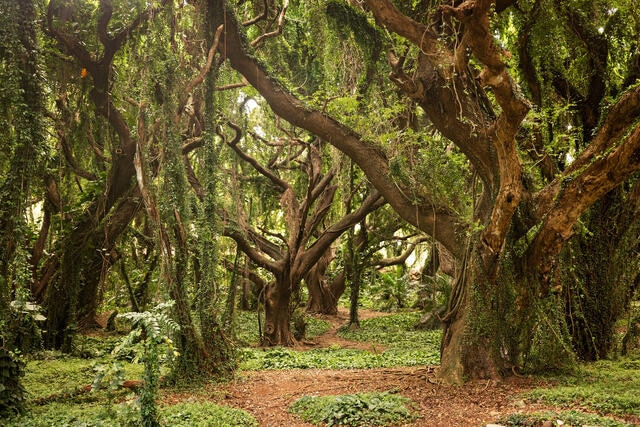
(243, 83)
(190, 144)
(400, 259)
(276, 180)
(321, 210)
(192, 178)
(246, 273)
(203, 72)
(328, 236)
(254, 254)
(96, 148)
(260, 17)
(71, 161)
(278, 29)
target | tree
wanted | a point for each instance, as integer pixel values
(80, 262)
(527, 204)
(145, 95)
(22, 123)
(304, 250)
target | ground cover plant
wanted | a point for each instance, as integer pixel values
(570, 418)
(246, 327)
(605, 386)
(360, 409)
(330, 384)
(95, 414)
(393, 342)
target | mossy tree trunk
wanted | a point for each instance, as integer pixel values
(22, 134)
(278, 310)
(598, 293)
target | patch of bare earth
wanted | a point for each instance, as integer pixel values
(267, 394)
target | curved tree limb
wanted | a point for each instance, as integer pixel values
(328, 236)
(400, 259)
(442, 221)
(619, 118)
(260, 39)
(281, 184)
(475, 16)
(251, 251)
(577, 194)
(203, 72)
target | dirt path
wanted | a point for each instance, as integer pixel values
(267, 394)
(331, 338)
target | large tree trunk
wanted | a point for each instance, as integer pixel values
(277, 324)
(504, 312)
(323, 296)
(467, 349)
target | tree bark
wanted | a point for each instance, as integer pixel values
(277, 299)
(82, 260)
(324, 297)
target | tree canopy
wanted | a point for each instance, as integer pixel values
(168, 138)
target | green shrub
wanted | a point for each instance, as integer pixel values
(570, 418)
(152, 328)
(12, 392)
(360, 409)
(204, 414)
(57, 373)
(604, 386)
(191, 414)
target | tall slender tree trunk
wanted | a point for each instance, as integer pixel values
(354, 266)
(22, 108)
(193, 358)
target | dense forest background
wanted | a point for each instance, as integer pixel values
(201, 157)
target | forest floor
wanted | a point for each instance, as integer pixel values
(267, 394)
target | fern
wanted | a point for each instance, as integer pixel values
(152, 329)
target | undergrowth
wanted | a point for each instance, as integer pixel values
(58, 395)
(566, 418)
(246, 327)
(394, 340)
(54, 373)
(396, 330)
(360, 409)
(94, 414)
(605, 386)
